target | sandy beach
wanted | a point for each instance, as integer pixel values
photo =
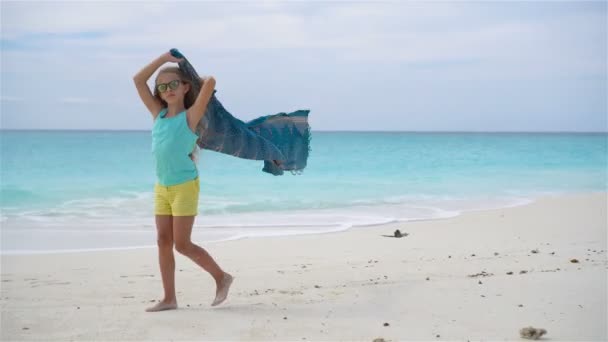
(480, 276)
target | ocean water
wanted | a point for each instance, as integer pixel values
(83, 190)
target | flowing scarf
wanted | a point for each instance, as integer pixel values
(281, 140)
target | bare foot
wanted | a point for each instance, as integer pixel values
(162, 306)
(222, 289)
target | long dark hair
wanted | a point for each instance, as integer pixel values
(189, 97)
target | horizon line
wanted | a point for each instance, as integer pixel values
(318, 131)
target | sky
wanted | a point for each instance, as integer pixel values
(356, 65)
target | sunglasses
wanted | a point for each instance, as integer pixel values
(162, 87)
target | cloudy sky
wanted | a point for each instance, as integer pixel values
(357, 65)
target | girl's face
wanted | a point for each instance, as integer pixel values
(171, 88)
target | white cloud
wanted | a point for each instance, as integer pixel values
(360, 32)
(61, 17)
(95, 47)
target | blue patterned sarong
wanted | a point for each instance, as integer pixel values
(281, 140)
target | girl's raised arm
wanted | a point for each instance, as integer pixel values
(152, 103)
(198, 109)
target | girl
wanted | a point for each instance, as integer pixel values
(176, 112)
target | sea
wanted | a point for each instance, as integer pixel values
(73, 191)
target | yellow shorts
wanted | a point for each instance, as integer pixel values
(177, 200)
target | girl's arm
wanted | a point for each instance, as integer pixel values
(197, 110)
(152, 103)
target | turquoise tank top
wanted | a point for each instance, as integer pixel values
(172, 142)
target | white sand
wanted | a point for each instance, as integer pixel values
(341, 286)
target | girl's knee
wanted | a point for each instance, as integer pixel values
(183, 246)
(164, 241)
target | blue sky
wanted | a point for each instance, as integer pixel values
(373, 65)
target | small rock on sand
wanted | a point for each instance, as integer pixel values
(574, 261)
(531, 333)
(399, 234)
(481, 274)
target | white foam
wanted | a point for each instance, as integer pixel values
(65, 229)
(75, 250)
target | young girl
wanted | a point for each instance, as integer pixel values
(176, 111)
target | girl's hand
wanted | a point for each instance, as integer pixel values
(168, 57)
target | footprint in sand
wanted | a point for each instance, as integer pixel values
(59, 283)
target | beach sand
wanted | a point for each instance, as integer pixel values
(447, 280)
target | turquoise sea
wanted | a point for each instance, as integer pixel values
(82, 190)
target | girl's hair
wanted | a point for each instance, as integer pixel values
(190, 96)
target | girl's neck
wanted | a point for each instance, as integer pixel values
(174, 109)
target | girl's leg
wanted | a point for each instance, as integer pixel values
(164, 228)
(182, 231)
